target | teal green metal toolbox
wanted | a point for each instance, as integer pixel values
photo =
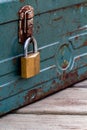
(54, 29)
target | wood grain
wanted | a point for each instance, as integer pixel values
(43, 122)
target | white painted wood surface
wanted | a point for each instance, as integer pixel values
(65, 110)
(43, 122)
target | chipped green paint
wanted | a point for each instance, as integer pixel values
(60, 27)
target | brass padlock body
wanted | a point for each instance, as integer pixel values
(30, 65)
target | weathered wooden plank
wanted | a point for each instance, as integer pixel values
(69, 101)
(43, 122)
(81, 84)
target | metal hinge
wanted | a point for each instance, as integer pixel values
(26, 15)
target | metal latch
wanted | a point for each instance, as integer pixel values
(26, 15)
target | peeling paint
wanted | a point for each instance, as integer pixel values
(61, 30)
(57, 19)
(21, 0)
(67, 78)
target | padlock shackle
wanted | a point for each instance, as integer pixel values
(27, 43)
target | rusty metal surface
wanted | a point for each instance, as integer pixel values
(39, 93)
(61, 33)
(26, 14)
(43, 90)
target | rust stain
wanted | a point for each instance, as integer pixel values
(81, 46)
(26, 14)
(77, 59)
(67, 79)
(81, 4)
(64, 8)
(57, 19)
(68, 33)
(14, 61)
(76, 38)
(65, 64)
(31, 95)
(85, 43)
(78, 5)
(72, 76)
(22, 0)
(37, 29)
(79, 29)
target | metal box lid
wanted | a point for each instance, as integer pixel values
(9, 8)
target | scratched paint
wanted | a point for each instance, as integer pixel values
(61, 33)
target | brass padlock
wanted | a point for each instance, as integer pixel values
(30, 63)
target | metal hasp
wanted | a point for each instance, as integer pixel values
(26, 15)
